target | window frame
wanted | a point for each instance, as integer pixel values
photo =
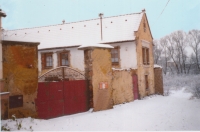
(145, 56)
(118, 56)
(44, 60)
(60, 58)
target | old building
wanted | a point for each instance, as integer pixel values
(131, 59)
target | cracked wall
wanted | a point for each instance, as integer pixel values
(21, 75)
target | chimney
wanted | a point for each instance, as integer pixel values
(101, 15)
(144, 10)
(63, 21)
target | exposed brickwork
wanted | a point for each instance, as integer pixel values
(4, 106)
(143, 70)
(158, 78)
(21, 75)
(122, 87)
(101, 72)
(88, 74)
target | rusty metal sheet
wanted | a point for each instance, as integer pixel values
(15, 101)
(56, 91)
(42, 109)
(63, 98)
(75, 96)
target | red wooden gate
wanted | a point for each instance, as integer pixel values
(135, 87)
(61, 98)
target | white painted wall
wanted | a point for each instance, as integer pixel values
(76, 58)
(128, 54)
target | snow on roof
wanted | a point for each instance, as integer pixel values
(117, 28)
(89, 45)
(157, 66)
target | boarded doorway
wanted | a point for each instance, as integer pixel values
(135, 87)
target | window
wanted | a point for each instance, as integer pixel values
(145, 55)
(115, 56)
(146, 82)
(64, 61)
(47, 60)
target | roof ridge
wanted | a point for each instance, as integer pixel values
(73, 22)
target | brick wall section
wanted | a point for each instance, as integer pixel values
(144, 69)
(21, 75)
(101, 72)
(122, 87)
(4, 106)
(88, 74)
(158, 78)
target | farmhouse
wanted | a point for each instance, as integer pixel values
(125, 66)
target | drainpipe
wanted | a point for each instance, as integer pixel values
(101, 15)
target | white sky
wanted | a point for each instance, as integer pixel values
(178, 15)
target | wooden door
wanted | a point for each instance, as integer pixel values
(135, 87)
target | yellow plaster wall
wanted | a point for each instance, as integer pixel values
(101, 72)
(122, 87)
(20, 73)
(142, 69)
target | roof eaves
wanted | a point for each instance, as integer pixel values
(120, 41)
(13, 41)
(52, 48)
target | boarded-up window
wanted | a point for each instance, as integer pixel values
(64, 59)
(47, 60)
(145, 55)
(115, 56)
(146, 82)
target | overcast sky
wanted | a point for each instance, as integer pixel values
(178, 14)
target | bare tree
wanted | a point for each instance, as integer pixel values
(180, 41)
(165, 58)
(172, 51)
(194, 36)
(157, 51)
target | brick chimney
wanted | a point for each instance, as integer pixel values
(144, 10)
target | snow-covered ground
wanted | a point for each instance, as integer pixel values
(178, 111)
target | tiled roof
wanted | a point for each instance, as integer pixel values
(117, 28)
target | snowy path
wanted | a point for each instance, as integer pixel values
(174, 112)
